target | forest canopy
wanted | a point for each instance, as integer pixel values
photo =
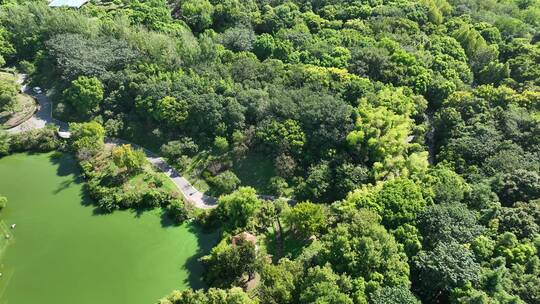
(408, 131)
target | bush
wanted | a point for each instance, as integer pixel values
(177, 148)
(27, 67)
(221, 144)
(178, 211)
(8, 93)
(3, 202)
(39, 140)
(225, 182)
(5, 143)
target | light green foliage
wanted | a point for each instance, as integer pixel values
(322, 285)
(125, 157)
(171, 111)
(278, 282)
(397, 201)
(394, 295)
(446, 185)
(8, 93)
(5, 143)
(238, 208)
(3, 202)
(224, 182)
(306, 219)
(363, 248)
(85, 94)
(282, 136)
(381, 138)
(515, 252)
(234, 295)
(221, 144)
(197, 14)
(88, 136)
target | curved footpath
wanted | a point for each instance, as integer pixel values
(44, 116)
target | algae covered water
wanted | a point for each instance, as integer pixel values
(63, 251)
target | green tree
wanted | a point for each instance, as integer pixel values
(282, 136)
(177, 210)
(447, 223)
(234, 295)
(85, 94)
(381, 139)
(8, 93)
(125, 157)
(522, 219)
(393, 295)
(88, 136)
(197, 14)
(306, 219)
(171, 111)
(279, 282)
(363, 248)
(5, 143)
(3, 202)
(221, 144)
(450, 265)
(322, 285)
(227, 264)
(238, 208)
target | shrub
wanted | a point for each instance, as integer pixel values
(221, 144)
(178, 210)
(3, 202)
(225, 182)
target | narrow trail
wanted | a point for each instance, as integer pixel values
(44, 116)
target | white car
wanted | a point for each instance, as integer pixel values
(37, 90)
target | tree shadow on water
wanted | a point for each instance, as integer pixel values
(205, 242)
(65, 165)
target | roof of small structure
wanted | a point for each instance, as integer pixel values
(68, 3)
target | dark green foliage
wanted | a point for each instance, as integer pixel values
(226, 264)
(448, 222)
(393, 295)
(522, 219)
(447, 266)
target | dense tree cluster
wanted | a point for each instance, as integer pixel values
(407, 131)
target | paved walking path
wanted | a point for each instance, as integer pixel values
(44, 116)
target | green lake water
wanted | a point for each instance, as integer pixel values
(61, 251)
